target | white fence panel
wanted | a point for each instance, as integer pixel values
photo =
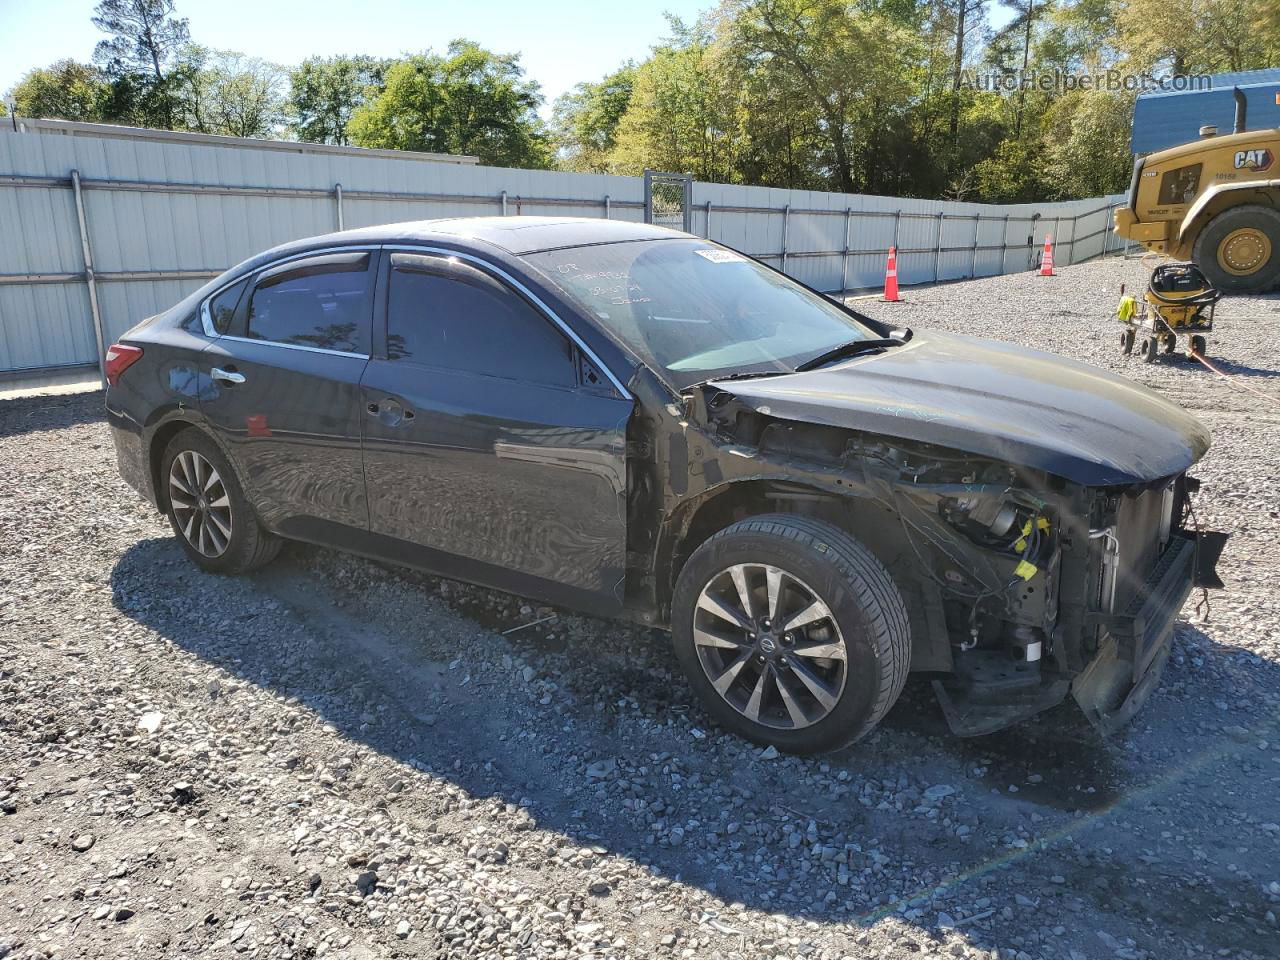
(165, 212)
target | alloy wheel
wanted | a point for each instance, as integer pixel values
(201, 504)
(770, 646)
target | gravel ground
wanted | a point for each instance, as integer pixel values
(337, 758)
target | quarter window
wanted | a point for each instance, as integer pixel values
(321, 302)
(455, 317)
(222, 307)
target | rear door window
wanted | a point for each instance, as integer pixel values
(318, 302)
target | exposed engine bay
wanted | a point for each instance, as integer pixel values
(1022, 586)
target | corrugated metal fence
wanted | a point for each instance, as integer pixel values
(98, 231)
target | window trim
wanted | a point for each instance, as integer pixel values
(206, 315)
(511, 281)
(206, 319)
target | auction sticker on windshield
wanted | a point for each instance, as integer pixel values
(716, 255)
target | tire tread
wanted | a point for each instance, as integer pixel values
(1208, 260)
(890, 634)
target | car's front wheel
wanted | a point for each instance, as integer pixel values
(791, 632)
(207, 508)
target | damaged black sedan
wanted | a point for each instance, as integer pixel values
(634, 422)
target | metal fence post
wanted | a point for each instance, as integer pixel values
(708, 234)
(977, 232)
(897, 228)
(503, 199)
(937, 249)
(606, 206)
(844, 259)
(1004, 246)
(1105, 231)
(1071, 244)
(337, 196)
(90, 280)
(786, 227)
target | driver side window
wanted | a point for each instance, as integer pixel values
(454, 317)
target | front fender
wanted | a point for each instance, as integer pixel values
(1193, 221)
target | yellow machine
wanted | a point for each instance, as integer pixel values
(1179, 301)
(1215, 201)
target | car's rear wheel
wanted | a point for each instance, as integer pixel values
(791, 632)
(207, 508)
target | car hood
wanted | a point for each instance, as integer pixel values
(996, 400)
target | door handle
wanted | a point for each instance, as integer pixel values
(226, 376)
(390, 411)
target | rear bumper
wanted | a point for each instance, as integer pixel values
(130, 456)
(1136, 641)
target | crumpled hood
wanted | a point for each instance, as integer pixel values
(997, 400)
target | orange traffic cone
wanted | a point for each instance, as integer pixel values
(1046, 260)
(891, 277)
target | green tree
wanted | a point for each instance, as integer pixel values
(470, 101)
(1080, 36)
(680, 115)
(324, 92)
(144, 39)
(227, 93)
(963, 20)
(1011, 174)
(1267, 21)
(65, 90)
(834, 61)
(1017, 37)
(585, 120)
(1086, 145)
(1196, 36)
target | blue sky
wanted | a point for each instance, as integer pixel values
(561, 41)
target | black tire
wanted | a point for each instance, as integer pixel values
(249, 545)
(1264, 220)
(1197, 344)
(1126, 342)
(864, 605)
(1148, 349)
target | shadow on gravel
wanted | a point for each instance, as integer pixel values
(1228, 367)
(747, 828)
(38, 414)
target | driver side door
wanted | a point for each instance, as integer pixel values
(484, 451)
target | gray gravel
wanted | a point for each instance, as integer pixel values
(336, 758)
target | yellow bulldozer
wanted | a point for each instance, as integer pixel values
(1214, 201)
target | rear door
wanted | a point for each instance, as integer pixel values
(284, 393)
(483, 446)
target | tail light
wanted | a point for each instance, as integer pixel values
(119, 359)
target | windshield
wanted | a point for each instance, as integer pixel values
(696, 311)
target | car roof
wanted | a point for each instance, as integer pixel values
(516, 235)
